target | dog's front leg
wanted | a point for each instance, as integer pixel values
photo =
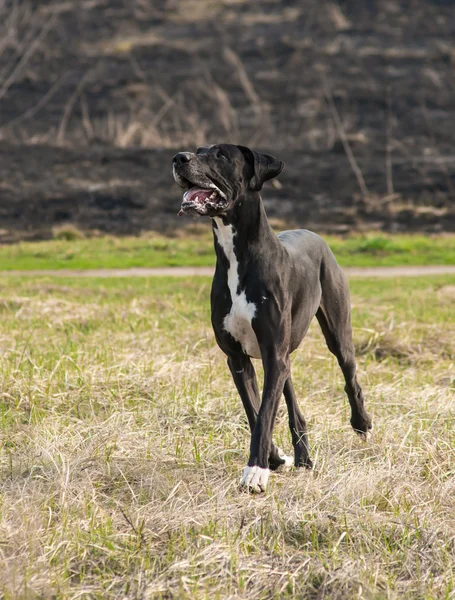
(244, 377)
(276, 371)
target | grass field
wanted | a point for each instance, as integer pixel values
(123, 440)
(194, 247)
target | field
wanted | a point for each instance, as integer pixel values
(123, 440)
(193, 246)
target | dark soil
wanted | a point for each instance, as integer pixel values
(97, 95)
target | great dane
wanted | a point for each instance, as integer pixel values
(266, 290)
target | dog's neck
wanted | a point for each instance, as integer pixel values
(246, 227)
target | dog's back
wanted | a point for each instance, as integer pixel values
(309, 250)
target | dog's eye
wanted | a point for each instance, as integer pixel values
(219, 155)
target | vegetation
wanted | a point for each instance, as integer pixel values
(195, 248)
(123, 441)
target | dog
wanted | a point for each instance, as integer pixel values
(266, 290)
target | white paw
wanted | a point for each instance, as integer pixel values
(288, 460)
(255, 479)
(369, 434)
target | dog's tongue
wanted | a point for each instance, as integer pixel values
(195, 194)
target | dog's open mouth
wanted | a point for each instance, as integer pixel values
(202, 201)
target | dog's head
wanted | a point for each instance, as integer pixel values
(216, 176)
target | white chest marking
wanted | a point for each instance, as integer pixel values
(238, 321)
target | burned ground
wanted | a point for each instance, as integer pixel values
(96, 96)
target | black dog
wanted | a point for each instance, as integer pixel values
(265, 292)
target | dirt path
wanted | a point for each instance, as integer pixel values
(410, 271)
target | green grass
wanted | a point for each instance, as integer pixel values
(108, 252)
(123, 439)
(196, 249)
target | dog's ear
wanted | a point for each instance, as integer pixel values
(265, 167)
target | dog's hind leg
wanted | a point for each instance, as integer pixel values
(297, 425)
(244, 377)
(334, 316)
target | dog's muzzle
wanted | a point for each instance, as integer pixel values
(202, 197)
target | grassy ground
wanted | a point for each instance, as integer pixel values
(194, 247)
(123, 440)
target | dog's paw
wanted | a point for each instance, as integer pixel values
(254, 479)
(362, 424)
(369, 434)
(278, 459)
(304, 462)
(288, 460)
(365, 435)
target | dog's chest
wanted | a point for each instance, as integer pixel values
(238, 322)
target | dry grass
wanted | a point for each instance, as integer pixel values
(123, 440)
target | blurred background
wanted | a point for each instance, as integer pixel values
(356, 96)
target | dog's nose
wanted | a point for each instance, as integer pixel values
(181, 158)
